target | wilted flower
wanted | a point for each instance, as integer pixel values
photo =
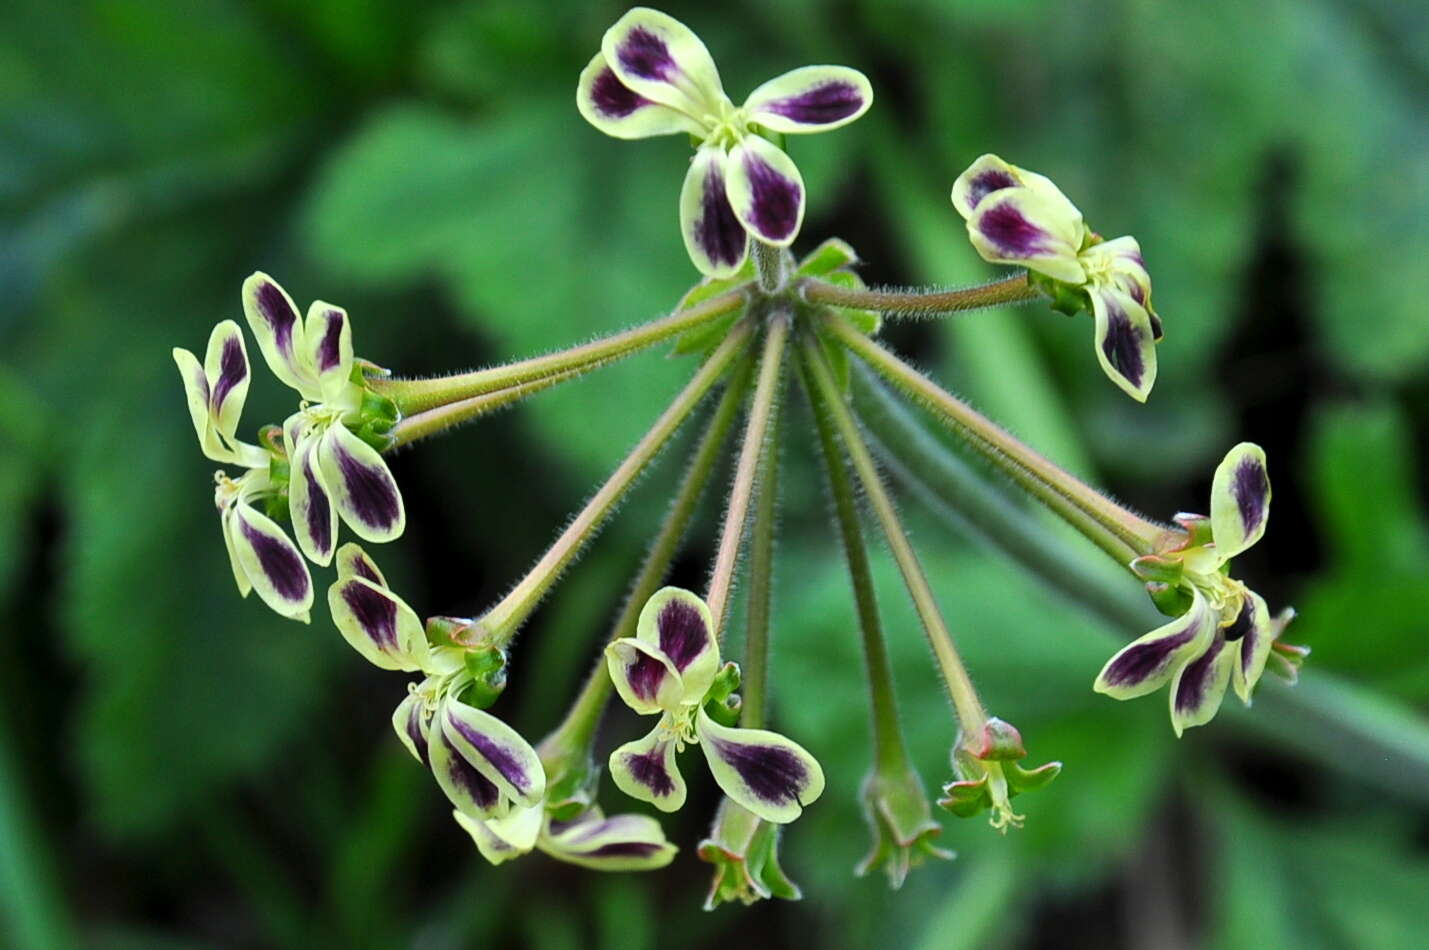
(1224, 633)
(745, 852)
(1018, 217)
(901, 823)
(988, 776)
(620, 843)
(653, 76)
(668, 669)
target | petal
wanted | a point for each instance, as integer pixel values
(1197, 690)
(645, 770)
(226, 367)
(501, 839)
(1240, 500)
(617, 110)
(245, 586)
(271, 562)
(352, 560)
(765, 190)
(1251, 637)
(329, 338)
(196, 393)
(984, 176)
(309, 503)
(643, 676)
(495, 750)
(362, 486)
(1146, 663)
(410, 721)
(678, 624)
(465, 787)
(377, 623)
(619, 843)
(771, 776)
(660, 58)
(1025, 227)
(1125, 341)
(811, 99)
(716, 241)
(273, 318)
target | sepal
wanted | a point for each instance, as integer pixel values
(745, 853)
(901, 822)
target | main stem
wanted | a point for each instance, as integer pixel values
(971, 715)
(909, 303)
(449, 416)
(416, 395)
(576, 731)
(756, 431)
(888, 748)
(1123, 534)
(754, 678)
(502, 621)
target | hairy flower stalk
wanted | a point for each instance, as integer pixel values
(1010, 290)
(448, 416)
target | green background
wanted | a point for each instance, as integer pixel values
(179, 768)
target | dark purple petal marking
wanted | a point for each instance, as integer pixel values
(1243, 624)
(1250, 488)
(375, 613)
(772, 773)
(320, 512)
(1157, 333)
(648, 768)
(232, 370)
(417, 732)
(1196, 678)
(329, 351)
(362, 567)
(994, 179)
(201, 381)
(278, 314)
(683, 635)
(1142, 661)
(645, 55)
(717, 231)
(370, 490)
(501, 758)
(774, 199)
(827, 102)
(279, 563)
(624, 849)
(645, 675)
(1122, 344)
(478, 787)
(612, 98)
(1014, 235)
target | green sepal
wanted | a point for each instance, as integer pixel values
(279, 474)
(486, 665)
(1172, 600)
(834, 254)
(725, 682)
(571, 785)
(701, 338)
(271, 438)
(1062, 297)
(726, 711)
(1197, 528)
(745, 853)
(276, 507)
(1157, 569)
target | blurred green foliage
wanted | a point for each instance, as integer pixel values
(179, 768)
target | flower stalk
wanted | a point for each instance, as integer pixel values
(450, 415)
(1015, 289)
(754, 674)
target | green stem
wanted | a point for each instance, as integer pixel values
(889, 751)
(1122, 534)
(769, 265)
(416, 395)
(577, 730)
(446, 417)
(500, 624)
(971, 716)
(754, 678)
(915, 304)
(756, 431)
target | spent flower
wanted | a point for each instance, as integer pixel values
(987, 776)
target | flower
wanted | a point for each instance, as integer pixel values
(591, 840)
(1224, 633)
(745, 852)
(378, 624)
(260, 552)
(1015, 216)
(653, 76)
(668, 669)
(333, 472)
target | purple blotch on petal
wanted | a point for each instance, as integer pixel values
(718, 232)
(370, 489)
(645, 675)
(278, 313)
(329, 354)
(1250, 488)
(1196, 677)
(320, 513)
(773, 773)
(1157, 333)
(1243, 624)
(1009, 229)
(501, 758)
(624, 849)
(827, 102)
(994, 179)
(416, 731)
(376, 614)
(774, 199)
(232, 370)
(279, 563)
(646, 55)
(1122, 344)
(362, 567)
(612, 98)
(1138, 663)
(482, 790)
(648, 768)
(683, 635)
